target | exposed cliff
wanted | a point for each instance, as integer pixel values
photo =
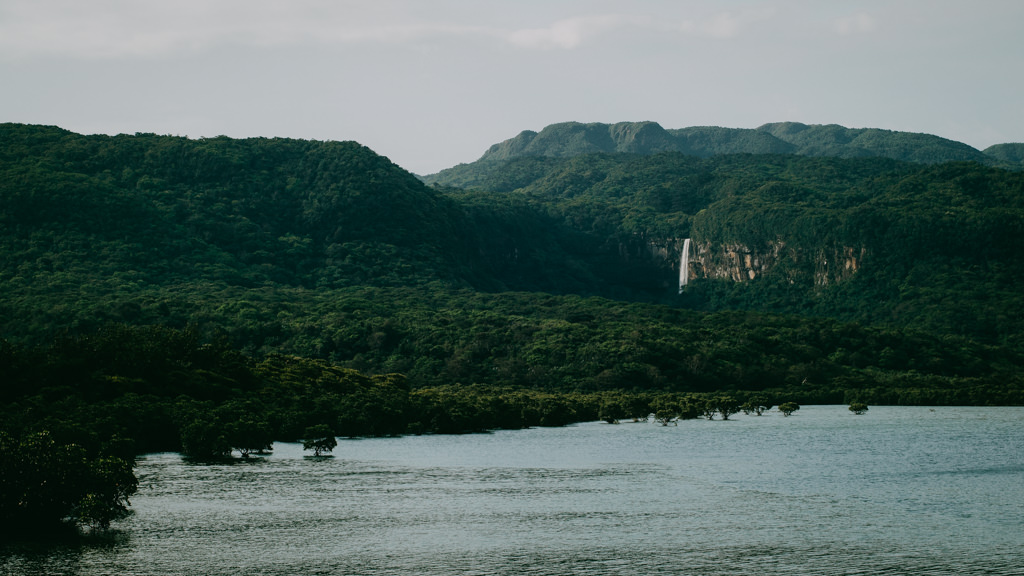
(742, 263)
(737, 262)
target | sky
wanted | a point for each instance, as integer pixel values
(433, 83)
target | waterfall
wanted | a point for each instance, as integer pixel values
(684, 265)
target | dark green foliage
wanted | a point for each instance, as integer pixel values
(163, 210)
(42, 479)
(667, 407)
(246, 431)
(109, 485)
(858, 408)
(1011, 155)
(319, 439)
(545, 372)
(724, 406)
(44, 482)
(204, 439)
(787, 408)
(756, 404)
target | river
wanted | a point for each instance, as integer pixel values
(899, 490)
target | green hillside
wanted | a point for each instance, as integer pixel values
(1012, 155)
(242, 211)
(98, 228)
(840, 142)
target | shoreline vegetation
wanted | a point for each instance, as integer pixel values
(78, 411)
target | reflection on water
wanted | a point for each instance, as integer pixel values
(896, 491)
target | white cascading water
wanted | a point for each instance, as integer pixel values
(684, 265)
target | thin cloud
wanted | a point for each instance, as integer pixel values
(724, 25)
(119, 28)
(569, 33)
(105, 29)
(860, 23)
(574, 32)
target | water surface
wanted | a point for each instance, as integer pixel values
(898, 490)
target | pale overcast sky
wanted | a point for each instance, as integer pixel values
(432, 83)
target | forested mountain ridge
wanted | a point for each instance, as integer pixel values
(279, 209)
(574, 138)
(329, 251)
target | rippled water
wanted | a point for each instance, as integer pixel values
(896, 491)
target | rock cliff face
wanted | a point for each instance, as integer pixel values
(735, 262)
(742, 263)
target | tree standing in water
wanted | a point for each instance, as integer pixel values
(319, 439)
(787, 408)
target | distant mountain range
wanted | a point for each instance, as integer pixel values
(574, 138)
